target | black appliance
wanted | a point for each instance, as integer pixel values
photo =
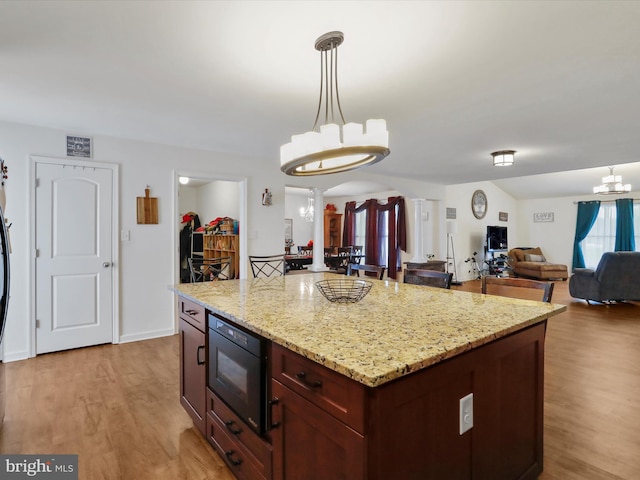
(496, 239)
(237, 370)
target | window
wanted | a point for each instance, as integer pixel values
(602, 237)
(383, 238)
(361, 230)
(383, 234)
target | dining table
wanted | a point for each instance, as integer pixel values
(333, 261)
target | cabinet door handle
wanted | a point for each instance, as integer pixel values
(229, 425)
(200, 348)
(272, 402)
(302, 376)
(229, 454)
(191, 312)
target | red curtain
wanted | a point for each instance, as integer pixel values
(397, 231)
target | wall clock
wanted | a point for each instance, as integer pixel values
(479, 204)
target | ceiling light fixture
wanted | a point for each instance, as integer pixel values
(334, 148)
(307, 213)
(611, 185)
(503, 158)
(183, 180)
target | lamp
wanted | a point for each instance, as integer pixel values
(334, 148)
(503, 158)
(452, 228)
(611, 185)
(307, 213)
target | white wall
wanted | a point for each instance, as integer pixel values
(555, 238)
(187, 200)
(302, 230)
(146, 264)
(471, 235)
(218, 199)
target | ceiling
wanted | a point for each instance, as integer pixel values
(556, 81)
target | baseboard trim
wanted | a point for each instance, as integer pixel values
(136, 337)
(15, 356)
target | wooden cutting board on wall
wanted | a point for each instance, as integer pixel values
(147, 208)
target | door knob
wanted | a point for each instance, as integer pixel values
(106, 264)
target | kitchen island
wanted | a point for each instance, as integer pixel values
(373, 390)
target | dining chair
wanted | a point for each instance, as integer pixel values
(305, 251)
(209, 269)
(357, 268)
(343, 259)
(267, 265)
(515, 287)
(356, 254)
(438, 279)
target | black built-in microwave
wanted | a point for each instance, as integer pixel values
(237, 370)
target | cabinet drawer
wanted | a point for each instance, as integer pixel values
(334, 393)
(240, 433)
(193, 313)
(233, 453)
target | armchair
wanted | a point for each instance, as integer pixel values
(617, 277)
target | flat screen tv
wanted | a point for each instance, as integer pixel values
(496, 239)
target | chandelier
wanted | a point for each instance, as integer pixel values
(307, 213)
(611, 185)
(334, 148)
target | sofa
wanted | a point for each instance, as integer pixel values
(616, 278)
(531, 263)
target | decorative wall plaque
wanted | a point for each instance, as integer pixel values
(543, 217)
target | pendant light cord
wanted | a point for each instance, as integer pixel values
(328, 83)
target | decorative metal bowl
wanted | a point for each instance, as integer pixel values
(343, 290)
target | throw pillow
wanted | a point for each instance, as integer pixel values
(529, 257)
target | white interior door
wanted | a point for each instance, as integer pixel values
(73, 239)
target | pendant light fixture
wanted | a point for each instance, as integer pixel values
(334, 148)
(611, 185)
(503, 158)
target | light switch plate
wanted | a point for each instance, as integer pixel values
(466, 413)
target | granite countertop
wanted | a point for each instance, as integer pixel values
(396, 329)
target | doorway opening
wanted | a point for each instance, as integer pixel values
(201, 201)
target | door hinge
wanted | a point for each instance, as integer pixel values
(37, 182)
(37, 252)
(37, 323)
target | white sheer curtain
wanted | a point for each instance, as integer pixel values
(602, 237)
(361, 230)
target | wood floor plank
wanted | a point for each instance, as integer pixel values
(117, 406)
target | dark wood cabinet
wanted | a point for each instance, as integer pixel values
(309, 443)
(247, 455)
(332, 230)
(193, 362)
(410, 428)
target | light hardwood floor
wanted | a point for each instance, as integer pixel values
(117, 405)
